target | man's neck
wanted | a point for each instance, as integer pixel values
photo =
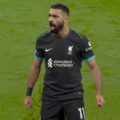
(63, 32)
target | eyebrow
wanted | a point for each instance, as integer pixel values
(53, 15)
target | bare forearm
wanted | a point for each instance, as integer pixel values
(34, 72)
(97, 79)
(33, 76)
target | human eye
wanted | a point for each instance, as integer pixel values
(55, 16)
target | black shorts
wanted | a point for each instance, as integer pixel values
(63, 110)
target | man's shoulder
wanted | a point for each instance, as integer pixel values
(44, 35)
(43, 38)
(78, 37)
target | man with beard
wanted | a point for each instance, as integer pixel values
(63, 50)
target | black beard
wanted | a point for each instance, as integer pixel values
(57, 28)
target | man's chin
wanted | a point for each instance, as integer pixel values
(54, 31)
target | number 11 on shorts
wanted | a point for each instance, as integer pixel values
(82, 113)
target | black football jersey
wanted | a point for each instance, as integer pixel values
(63, 57)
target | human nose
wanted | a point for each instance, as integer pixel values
(50, 18)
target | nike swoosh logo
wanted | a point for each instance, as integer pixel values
(48, 49)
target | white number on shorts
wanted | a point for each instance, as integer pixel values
(82, 113)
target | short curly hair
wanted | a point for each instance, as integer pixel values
(61, 6)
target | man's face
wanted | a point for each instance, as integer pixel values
(56, 20)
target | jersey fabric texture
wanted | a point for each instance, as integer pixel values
(63, 57)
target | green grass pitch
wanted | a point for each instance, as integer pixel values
(21, 21)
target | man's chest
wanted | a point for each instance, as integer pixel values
(60, 49)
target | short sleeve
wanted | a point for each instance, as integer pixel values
(39, 52)
(38, 55)
(86, 51)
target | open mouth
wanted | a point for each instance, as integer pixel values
(52, 26)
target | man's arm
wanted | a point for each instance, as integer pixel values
(33, 76)
(34, 73)
(96, 74)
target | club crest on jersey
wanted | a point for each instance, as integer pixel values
(70, 49)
